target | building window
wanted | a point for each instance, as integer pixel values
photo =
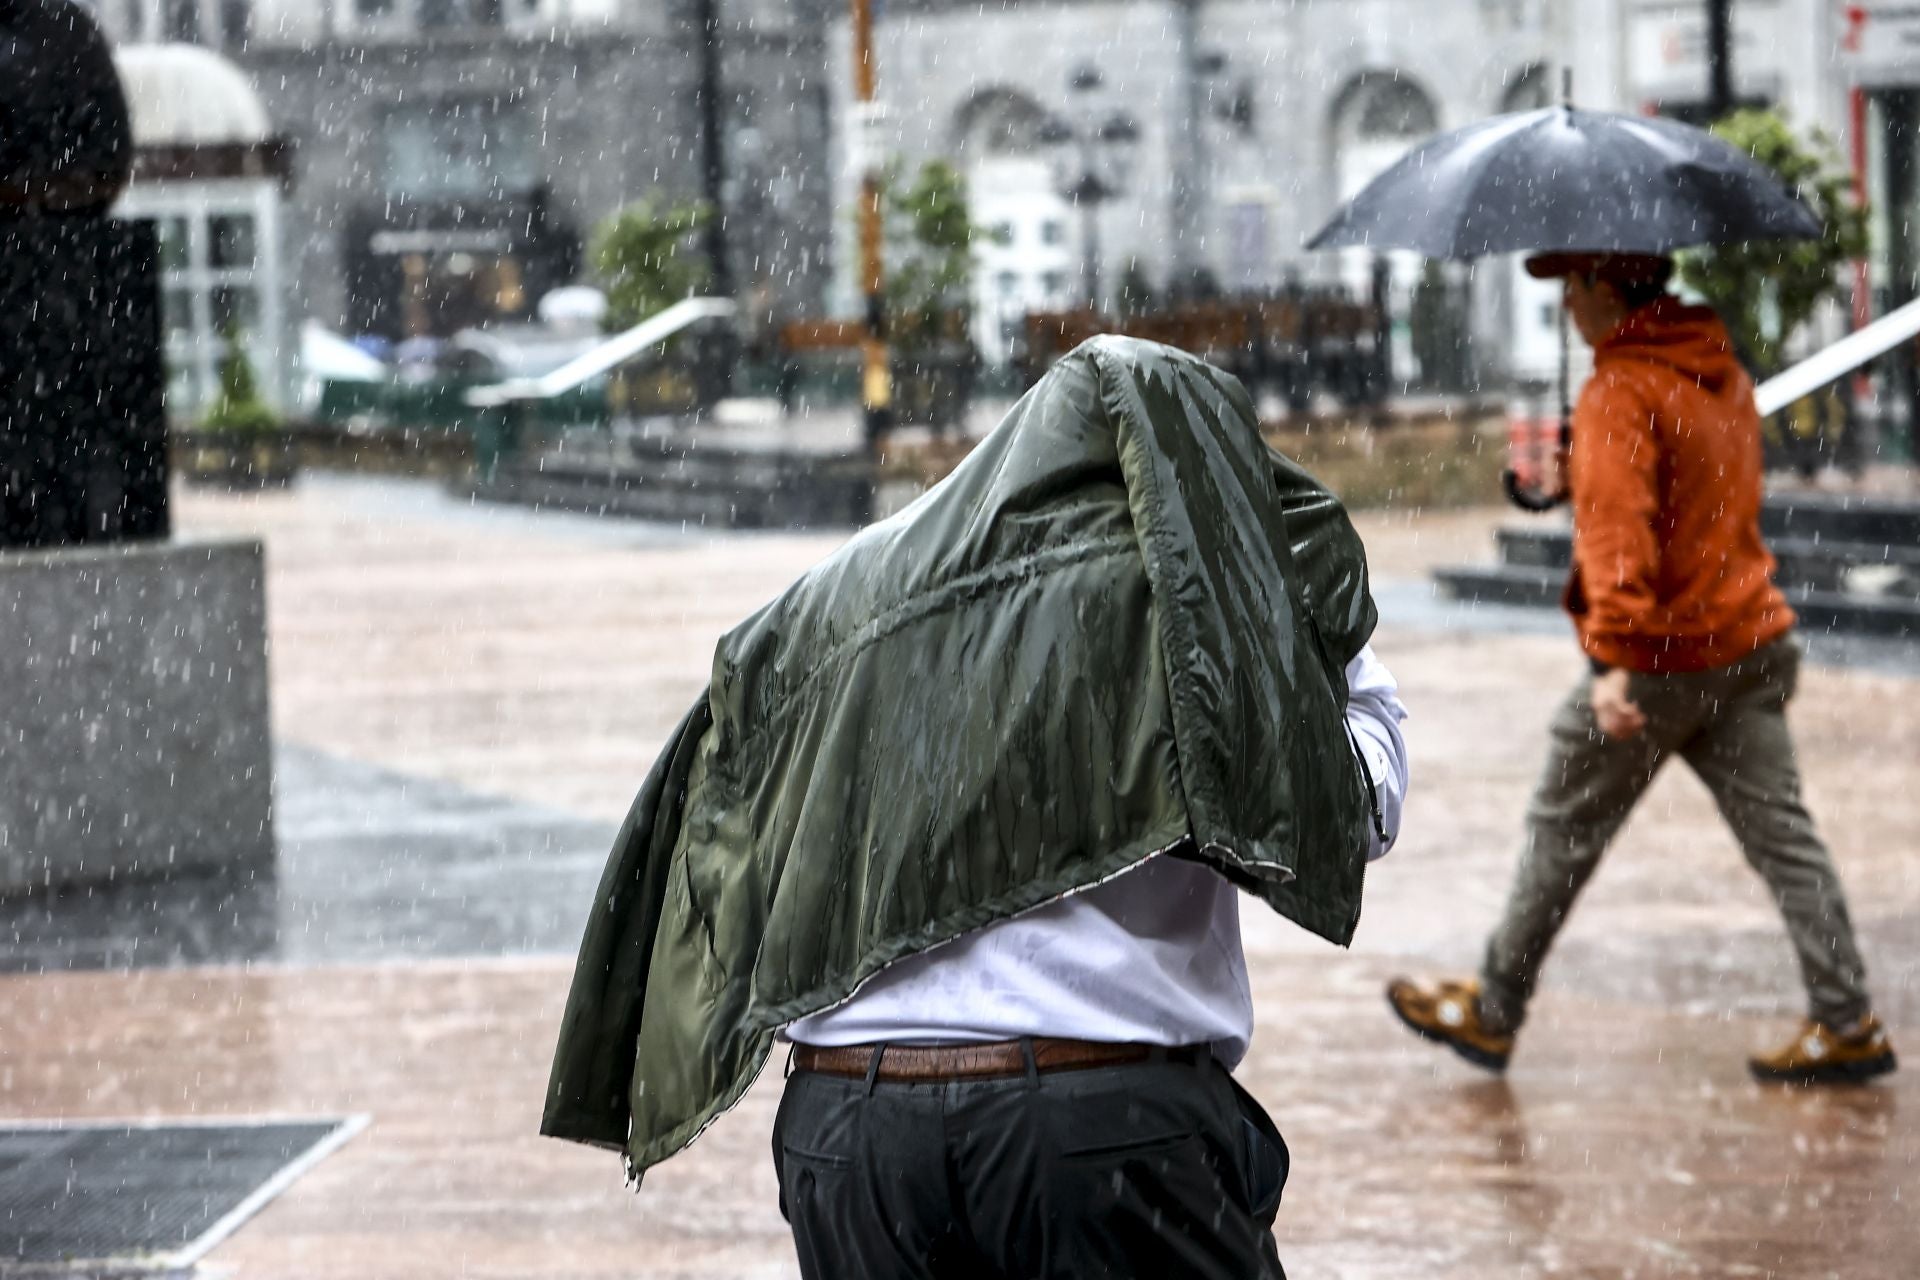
(457, 13)
(236, 22)
(182, 20)
(230, 242)
(1053, 231)
(373, 8)
(1054, 283)
(459, 148)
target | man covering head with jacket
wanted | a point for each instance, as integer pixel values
(963, 817)
(1692, 654)
(1051, 1096)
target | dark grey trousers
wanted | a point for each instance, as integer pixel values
(1146, 1170)
(1730, 726)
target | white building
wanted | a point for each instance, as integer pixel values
(208, 172)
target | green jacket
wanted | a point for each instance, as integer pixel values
(1119, 628)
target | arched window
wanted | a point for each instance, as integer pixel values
(1375, 119)
(1526, 90)
(997, 121)
(1027, 260)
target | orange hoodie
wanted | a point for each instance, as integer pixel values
(1669, 570)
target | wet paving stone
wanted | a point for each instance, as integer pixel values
(371, 865)
(465, 706)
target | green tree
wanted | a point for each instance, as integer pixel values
(929, 254)
(238, 407)
(1766, 289)
(646, 257)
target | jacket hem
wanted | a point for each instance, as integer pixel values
(683, 1135)
(765, 1022)
(1026, 897)
(1671, 655)
(574, 1128)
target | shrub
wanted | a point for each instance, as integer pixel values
(646, 258)
(1766, 289)
(238, 408)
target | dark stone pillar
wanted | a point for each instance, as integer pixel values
(82, 415)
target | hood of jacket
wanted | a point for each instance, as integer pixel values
(1690, 340)
(1118, 629)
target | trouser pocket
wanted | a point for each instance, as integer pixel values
(1264, 1156)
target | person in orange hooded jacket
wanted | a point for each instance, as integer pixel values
(1692, 653)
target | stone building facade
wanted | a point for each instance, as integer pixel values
(432, 137)
(1245, 122)
(452, 157)
(452, 154)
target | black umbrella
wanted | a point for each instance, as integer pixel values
(1564, 179)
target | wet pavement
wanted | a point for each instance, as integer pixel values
(465, 701)
(372, 865)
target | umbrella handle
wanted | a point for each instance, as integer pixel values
(1518, 494)
(1527, 499)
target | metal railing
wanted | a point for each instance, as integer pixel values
(609, 355)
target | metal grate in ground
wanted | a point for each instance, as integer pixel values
(113, 1198)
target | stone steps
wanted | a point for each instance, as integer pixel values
(1850, 568)
(694, 485)
(1535, 586)
(1843, 518)
(1847, 564)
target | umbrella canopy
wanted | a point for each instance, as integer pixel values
(1564, 179)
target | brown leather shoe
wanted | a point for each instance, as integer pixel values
(1449, 1013)
(1818, 1054)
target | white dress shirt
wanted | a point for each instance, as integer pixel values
(1151, 956)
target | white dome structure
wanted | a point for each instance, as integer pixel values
(181, 95)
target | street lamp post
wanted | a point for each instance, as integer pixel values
(713, 158)
(876, 377)
(1186, 195)
(1101, 150)
(717, 353)
(1719, 58)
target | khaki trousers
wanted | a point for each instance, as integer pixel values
(1730, 726)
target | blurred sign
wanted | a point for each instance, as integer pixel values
(435, 241)
(1667, 47)
(1881, 42)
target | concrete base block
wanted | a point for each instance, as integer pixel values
(134, 736)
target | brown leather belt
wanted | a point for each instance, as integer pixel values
(906, 1062)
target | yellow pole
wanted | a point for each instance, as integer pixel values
(876, 382)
